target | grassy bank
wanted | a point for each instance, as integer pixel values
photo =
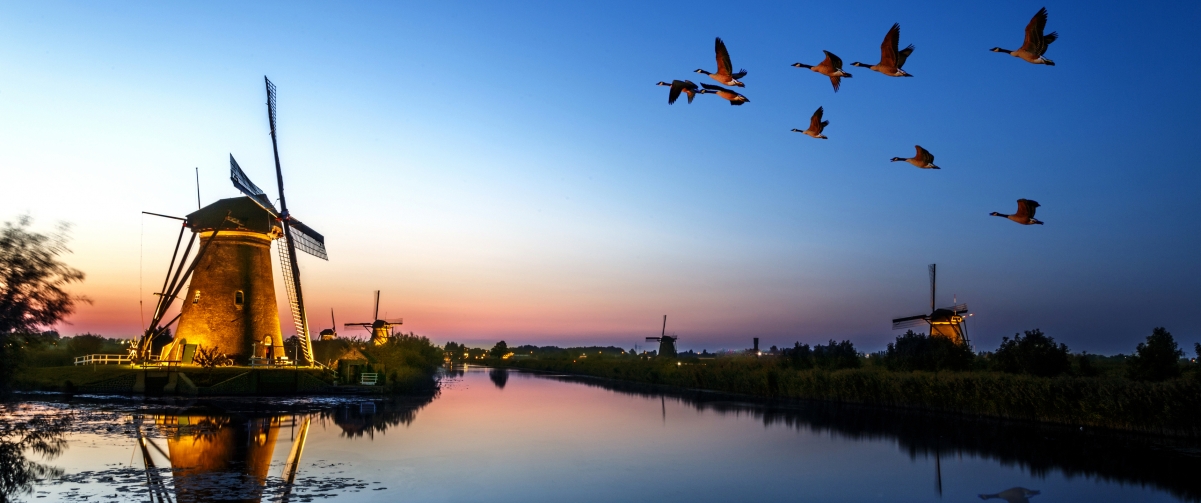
(1169, 408)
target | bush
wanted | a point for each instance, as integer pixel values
(409, 361)
(1034, 354)
(921, 352)
(86, 344)
(1157, 359)
(834, 356)
(799, 356)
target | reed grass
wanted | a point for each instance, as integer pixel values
(1167, 408)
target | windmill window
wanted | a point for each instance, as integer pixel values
(196, 299)
(239, 298)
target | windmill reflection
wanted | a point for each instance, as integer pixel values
(219, 457)
(1012, 495)
(214, 455)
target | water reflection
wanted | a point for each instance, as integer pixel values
(1012, 495)
(499, 377)
(1166, 463)
(371, 417)
(21, 431)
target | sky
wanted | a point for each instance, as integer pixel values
(512, 172)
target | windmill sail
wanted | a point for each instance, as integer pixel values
(308, 240)
(243, 183)
(313, 242)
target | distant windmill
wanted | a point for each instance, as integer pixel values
(381, 329)
(944, 322)
(331, 333)
(295, 234)
(667, 343)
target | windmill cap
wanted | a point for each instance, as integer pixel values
(249, 217)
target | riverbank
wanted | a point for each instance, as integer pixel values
(1171, 408)
(220, 381)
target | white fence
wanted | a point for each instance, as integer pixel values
(103, 360)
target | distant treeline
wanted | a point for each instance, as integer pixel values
(1029, 377)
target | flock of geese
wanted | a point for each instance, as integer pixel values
(892, 60)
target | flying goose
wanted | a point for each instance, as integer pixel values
(1025, 214)
(891, 60)
(678, 86)
(1036, 43)
(830, 67)
(924, 159)
(1012, 495)
(816, 125)
(729, 94)
(725, 70)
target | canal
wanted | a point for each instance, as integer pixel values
(495, 435)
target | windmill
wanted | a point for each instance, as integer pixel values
(381, 329)
(295, 234)
(944, 322)
(331, 333)
(667, 343)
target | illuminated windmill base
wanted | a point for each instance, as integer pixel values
(230, 303)
(947, 324)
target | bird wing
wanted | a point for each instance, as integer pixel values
(836, 81)
(688, 84)
(724, 67)
(904, 55)
(924, 154)
(835, 61)
(815, 122)
(676, 87)
(1026, 208)
(712, 87)
(1034, 42)
(888, 49)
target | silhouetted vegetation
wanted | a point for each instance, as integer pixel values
(832, 356)
(32, 287)
(1034, 354)
(913, 351)
(1157, 359)
(410, 361)
(499, 350)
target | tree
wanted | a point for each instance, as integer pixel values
(921, 352)
(1034, 354)
(799, 356)
(32, 278)
(1157, 359)
(499, 350)
(836, 355)
(32, 282)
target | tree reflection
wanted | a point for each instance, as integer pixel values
(1166, 463)
(41, 434)
(367, 418)
(499, 377)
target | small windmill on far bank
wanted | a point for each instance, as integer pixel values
(667, 343)
(381, 329)
(330, 333)
(944, 322)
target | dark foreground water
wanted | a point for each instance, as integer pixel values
(492, 435)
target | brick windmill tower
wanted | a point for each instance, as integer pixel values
(230, 302)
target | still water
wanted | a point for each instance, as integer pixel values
(494, 435)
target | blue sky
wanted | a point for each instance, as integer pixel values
(512, 171)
